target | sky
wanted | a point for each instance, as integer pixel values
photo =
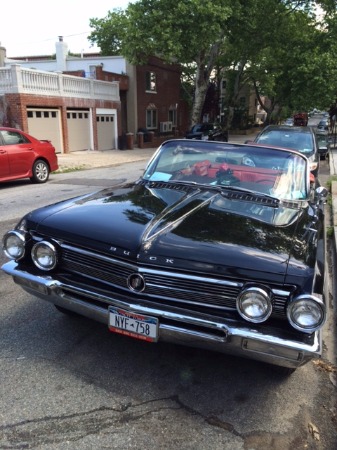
(32, 27)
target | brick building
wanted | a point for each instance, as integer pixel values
(90, 101)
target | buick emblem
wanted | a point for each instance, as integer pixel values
(136, 282)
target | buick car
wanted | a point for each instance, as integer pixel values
(204, 249)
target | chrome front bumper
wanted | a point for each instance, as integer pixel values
(175, 325)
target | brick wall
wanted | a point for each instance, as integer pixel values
(167, 90)
(13, 111)
(110, 76)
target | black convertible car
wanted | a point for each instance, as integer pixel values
(202, 250)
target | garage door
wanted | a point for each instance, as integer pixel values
(106, 131)
(46, 124)
(78, 130)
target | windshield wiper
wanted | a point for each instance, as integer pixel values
(246, 193)
(194, 183)
(226, 191)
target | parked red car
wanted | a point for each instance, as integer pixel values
(23, 156)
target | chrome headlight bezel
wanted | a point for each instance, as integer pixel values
(305, 305)
(20, 239)
(42, 250)
(253, 299)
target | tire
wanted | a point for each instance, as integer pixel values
(40, 171)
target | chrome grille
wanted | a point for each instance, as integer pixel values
(95, 267)
(181, 289)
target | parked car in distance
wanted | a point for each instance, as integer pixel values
(207, 131)
(323, 145)
(301, 139)
(202, 250)
(23, 156)
(289, 122)
(300, 119)
(323, 125)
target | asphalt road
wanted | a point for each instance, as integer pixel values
(67, 383)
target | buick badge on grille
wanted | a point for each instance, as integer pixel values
(136, 282)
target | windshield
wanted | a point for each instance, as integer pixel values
(322, 141)
(300, 141)
(280, 173)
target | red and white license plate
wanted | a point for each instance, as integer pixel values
(132, 324)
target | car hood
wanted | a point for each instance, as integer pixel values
(182, 227)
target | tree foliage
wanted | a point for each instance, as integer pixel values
(278, 46)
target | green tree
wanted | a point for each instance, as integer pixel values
(290, 60)
(189, 31)
(272, 43)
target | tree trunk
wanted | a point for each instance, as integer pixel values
(205, 65)
(201, 85)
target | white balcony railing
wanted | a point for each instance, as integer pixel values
(18, 80)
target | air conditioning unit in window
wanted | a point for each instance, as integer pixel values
(165, 126)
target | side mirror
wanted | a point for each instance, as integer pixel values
(321, 193)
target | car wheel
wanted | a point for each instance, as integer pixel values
(40, 171)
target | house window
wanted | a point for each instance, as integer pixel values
(151, 117)
(92, 72)
(150, 82)
(172, 115)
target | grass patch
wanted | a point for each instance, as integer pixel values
(330, 180)
(70, 169)
(330, 232)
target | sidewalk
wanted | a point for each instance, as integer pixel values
(89, 159)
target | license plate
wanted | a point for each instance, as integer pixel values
(133, 325)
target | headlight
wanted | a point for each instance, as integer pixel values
(254, 304)
(14, 245)
(44, 255)
(306, 313)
